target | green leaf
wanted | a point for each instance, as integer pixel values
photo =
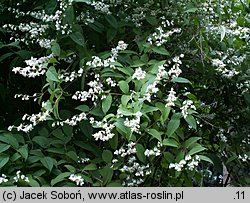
(112, 21)
(61, 177)
(124, 87)
(191, 10)
(86, 128)
(90, 167)
(191, 121)
(125, 99)
(111, 33)
(181, 80)
(161, 50)
(205, 158)
(12, 140)
(5, 56)
(52, 74)
(72, 155)
(83, 1)
(47, 162)
(156, 134)
(24, 151)
(4, 147)
(152, 20)
(232, 158)
(107, 156)
(106, 104)
(78, 38)
(247, 98)
(170, 142)
(41, 141)
(3, 160)
(140, 153)
(190, 141)
(173, 125)
(83, 108)
(107, 174)
(196, 149)
(56, 50)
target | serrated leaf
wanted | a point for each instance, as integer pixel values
(106, 104)
(156, 134)
(170, 142)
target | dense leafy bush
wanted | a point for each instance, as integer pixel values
(126, 93)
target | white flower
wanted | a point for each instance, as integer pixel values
(77, 179)
(139, 74)
(171, 98)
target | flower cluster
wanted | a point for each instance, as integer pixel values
(139, 74)
(101, 6)
(160, 37)
(190, 162)
(128, 150)
(175, 71)
(26, 97)
(69, 77)
(244, 158)
(93, 92)
(106, 133)
(34, 119)
(73, 121)
(134, 124)
(134, 170)
(3, 179)
(20, 177)
(83, 160)
(35, 67)
(111, 82)
(221, 135)
(171, 98)
(152, 152)
(77, 179)
(223, 70)
(187, 104)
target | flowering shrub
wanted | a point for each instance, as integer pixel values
(127, 93)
